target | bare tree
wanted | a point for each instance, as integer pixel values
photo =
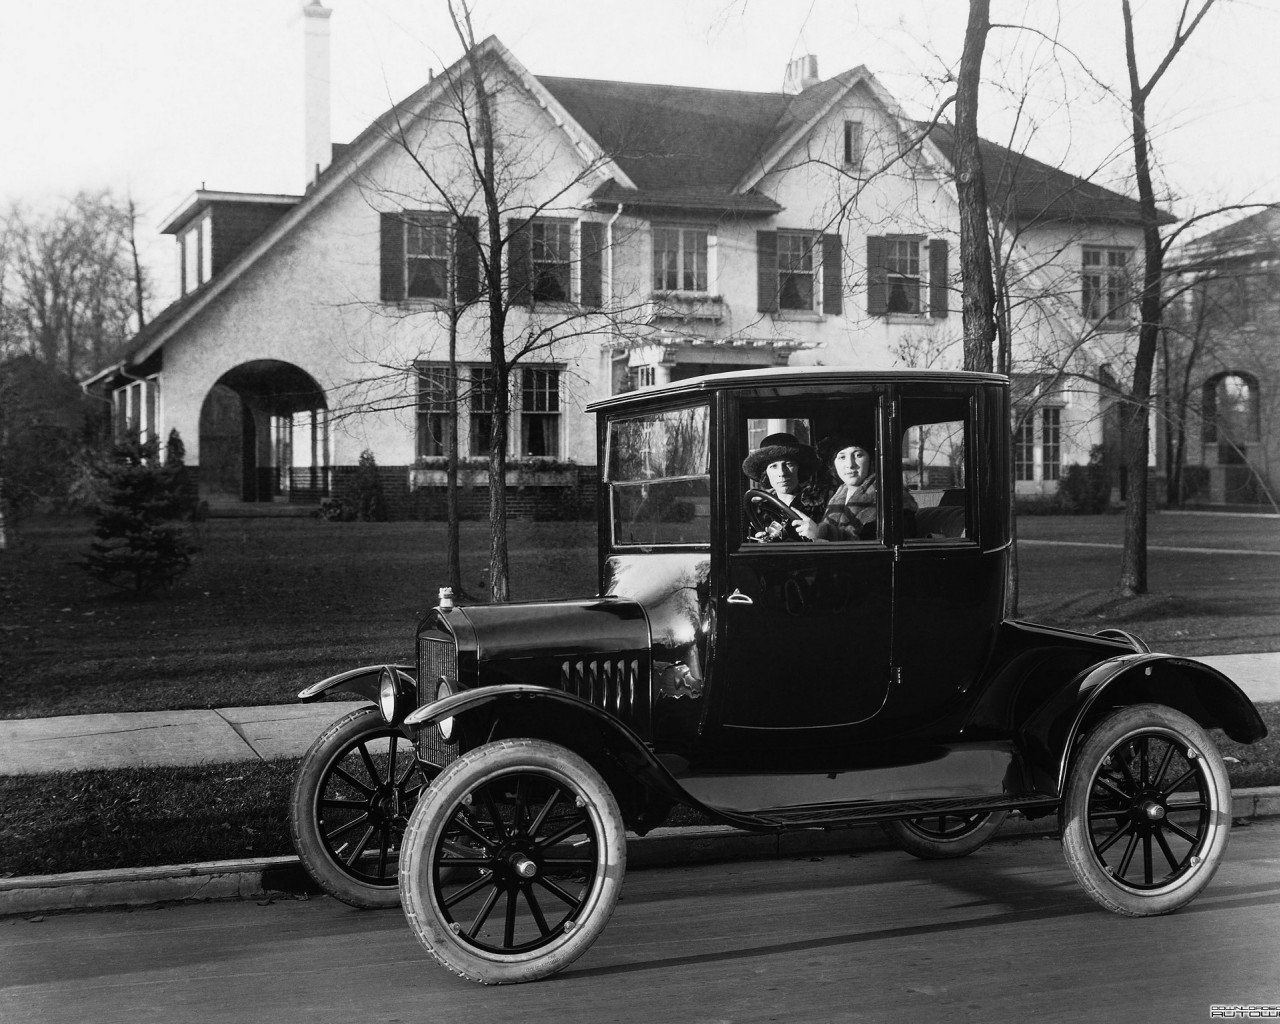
(71, 290)
(1133, 564)
(471, 158)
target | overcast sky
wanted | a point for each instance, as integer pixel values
(159, 97)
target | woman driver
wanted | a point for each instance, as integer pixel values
(785, 468)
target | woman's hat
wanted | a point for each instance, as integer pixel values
(830, 447)
(775, 448)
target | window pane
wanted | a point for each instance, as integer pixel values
(658, 476)
(1051, 440)
(551, 261)
(796, 277)
(902, 262)
(426, 250)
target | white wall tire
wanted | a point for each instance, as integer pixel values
(1147, 811)
(512, 862)
(349, 806)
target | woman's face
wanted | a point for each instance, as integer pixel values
(853, 464)
(784, 476)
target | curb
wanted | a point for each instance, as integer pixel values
(260, 877)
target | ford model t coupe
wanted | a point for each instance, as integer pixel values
(767, 680)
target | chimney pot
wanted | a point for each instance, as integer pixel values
(801, 74)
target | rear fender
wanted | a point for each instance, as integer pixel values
(1197, 690)
(363, 682)
(643, 785)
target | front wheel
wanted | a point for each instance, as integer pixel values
(350, 803)
(513, 861)
(1147, 811)
(944, 836)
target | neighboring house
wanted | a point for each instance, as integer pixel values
(656, 233)
(1220, 433)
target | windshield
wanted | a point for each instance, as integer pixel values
(658, 472)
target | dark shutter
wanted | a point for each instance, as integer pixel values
(519, 251)
(877, 277)
(832, 282)
(939, 292)
(591, 266)
(392, 289)
(467, 253)
(767, 271)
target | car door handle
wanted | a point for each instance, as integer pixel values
(738, 597)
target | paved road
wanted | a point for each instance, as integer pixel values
(1004, 936)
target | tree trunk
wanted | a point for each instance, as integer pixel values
(978, 290)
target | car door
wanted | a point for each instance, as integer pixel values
(805, 627)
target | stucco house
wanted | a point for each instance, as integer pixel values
(1219, 437)
(650, 233)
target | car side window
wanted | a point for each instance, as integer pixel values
(935, 447)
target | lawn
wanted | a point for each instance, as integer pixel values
(274, 604)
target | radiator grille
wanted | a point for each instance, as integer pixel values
(436, 658)
(608, 683)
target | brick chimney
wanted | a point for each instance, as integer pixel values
(802, 72)
(315, 90)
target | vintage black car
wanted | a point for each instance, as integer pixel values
(768, 681)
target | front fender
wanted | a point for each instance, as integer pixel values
(608, 744)
(1200, 691)
(363, 682)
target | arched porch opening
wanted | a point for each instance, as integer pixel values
(264, 436)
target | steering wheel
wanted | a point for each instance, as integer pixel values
(769, 517)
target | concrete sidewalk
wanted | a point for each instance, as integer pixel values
(34, 746)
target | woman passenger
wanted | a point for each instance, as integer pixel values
(853, 510)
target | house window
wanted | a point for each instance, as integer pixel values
(902, 264)
(482, 396)
(196, 254)
(426, 257)
(136, 410)
(435, 425)
(1051, 443)
(679, 259)
(539, 412)
(551, 260)
(1024, 447)
(1104, 285)
(853, 144)
(797, 270)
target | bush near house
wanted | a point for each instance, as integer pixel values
(141, 541)
(367, 497)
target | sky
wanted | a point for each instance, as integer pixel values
(157, 98)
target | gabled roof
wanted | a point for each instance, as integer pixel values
(1251, 239)
(1030, 191)
(663, 147)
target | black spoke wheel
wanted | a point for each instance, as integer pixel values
(945, 835)
(1147, 811)
(351, 800)
(513, 862)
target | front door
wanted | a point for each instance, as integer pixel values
(806, 625)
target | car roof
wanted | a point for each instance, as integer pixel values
(793, 375)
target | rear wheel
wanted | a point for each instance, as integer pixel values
(1147, 811)
(944, 836)
(512, 862)
(351, 801)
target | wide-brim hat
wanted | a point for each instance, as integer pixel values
(829, 447)
(775, 448)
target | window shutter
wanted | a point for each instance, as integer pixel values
(591, 265)
(767, 271)
(519, 242)
(392, 241)
(877, 277)
(467, 254)
(832, 283)
(938, 278)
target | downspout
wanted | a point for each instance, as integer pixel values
(608, 230)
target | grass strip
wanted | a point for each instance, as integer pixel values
(139, 817)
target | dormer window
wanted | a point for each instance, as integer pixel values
(195, 250)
